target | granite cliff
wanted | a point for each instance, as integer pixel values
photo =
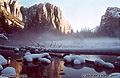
(110, 23)
(44, 16)
(13, 7)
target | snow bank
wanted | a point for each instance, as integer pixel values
(8, 70)
(99, 62)
(88, 43)
(44, 57)
(76, 59)
(3, 60)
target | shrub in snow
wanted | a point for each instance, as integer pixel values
(8, 70)
(109, 65)
(1, 67)
(3, 36)
(118, 58)
(99, 62)
(3, 60)
(41, 57)
(76, 59)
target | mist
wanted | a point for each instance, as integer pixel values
(57, 40)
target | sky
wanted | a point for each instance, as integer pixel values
(79, 13)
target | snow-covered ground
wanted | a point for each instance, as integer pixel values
(84, 43)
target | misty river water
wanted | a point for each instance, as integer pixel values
(58, 68)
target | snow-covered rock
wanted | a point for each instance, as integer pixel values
(110, 23)
(36, 49)
(3, 77)
(99, 62)
(118, 58)
(45, 55)
(76, 59)
(44, 60)
(113, 11)
(27, 53)
(1, 67)
(8, 70)
(17, 49)
(41, 57)
(3, 60)
(109, 65)
(67, 59)
(16, 53)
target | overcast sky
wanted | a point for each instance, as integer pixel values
(79, 13)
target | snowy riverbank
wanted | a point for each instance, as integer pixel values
(84, 43)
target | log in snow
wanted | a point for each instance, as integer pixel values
(7, 47)
(90, 51)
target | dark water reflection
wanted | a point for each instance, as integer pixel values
(59, 69)
(44, 71)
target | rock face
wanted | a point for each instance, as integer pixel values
(45, 16)
(38, 17)
(13, 7)
(110, 23)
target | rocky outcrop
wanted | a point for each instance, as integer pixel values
(13, 7)
(110, 23)
(10, 16)
(45, 16)
(37, 17)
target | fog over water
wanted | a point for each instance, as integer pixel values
(56, 40)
